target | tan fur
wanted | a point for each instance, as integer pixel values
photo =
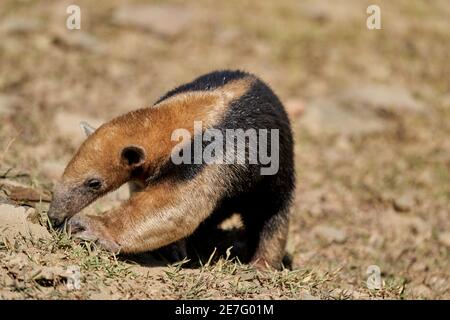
(151, 128)
(160, 214)
(167, 211)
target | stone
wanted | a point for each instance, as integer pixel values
(421, 291)
(18, 24)
(326, 116)
(387, 98)
(14, 223)
(330, 234)
(404, 203)
(444, 238)
(163, 19)
(80, 40)
(401, 225)
(358, 111)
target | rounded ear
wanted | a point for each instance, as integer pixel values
(133, 156)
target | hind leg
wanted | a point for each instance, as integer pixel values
(267, 236)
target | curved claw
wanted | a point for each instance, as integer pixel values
(90, 228)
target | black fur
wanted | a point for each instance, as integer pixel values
(262, 201)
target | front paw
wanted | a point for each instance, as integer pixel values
(91, 228)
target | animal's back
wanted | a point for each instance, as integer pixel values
(208, 82)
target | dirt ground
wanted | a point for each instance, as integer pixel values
(370, 111)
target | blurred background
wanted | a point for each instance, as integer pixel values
(370, 111)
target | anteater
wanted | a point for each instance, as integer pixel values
(176, 200)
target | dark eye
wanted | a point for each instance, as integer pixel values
(93, 184)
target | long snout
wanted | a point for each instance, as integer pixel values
(67, 201)
(55, 216)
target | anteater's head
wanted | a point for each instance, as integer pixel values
(105, 161)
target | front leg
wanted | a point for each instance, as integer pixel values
(159, 215)
(92, 228)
